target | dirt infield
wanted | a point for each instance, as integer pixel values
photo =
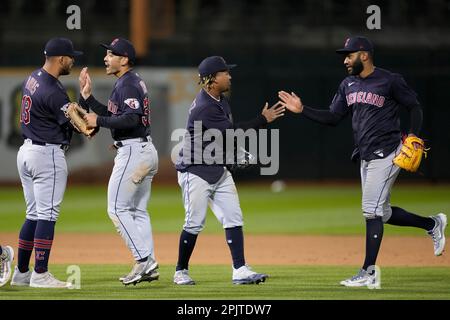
(259, 249)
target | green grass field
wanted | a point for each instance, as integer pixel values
(297, 210)
(99, 282)
(327, 210)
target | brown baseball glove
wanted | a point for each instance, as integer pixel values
(76, 113)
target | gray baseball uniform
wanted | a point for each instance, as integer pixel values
(373, 99)
(208, 182)
(136, 162)
(40, 160)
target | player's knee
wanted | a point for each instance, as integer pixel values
(384, 217)
(53, 218)
(233, 225)
(369, 215)
(32, 216)
(119, 210)
(51, 215)
(114, 218)
(193, 229)
(387, 214)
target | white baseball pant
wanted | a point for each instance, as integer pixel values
(43, 173)
(221, 197)
(129, 189)
(377, 178)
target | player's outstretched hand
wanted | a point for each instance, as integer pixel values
(274, 112)
(82, 77)
(85, 83)
(291, 101)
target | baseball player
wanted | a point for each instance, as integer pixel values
(212, 184)
(6, 258)
(41, 162)
(373, 96)
(136, 163)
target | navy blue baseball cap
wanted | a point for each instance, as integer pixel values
(60, 47)
(357, 43)
(213, 64)
(121, 47)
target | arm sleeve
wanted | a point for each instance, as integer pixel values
(322, 116)
(405, 96)
(83, 103)
(255, 123)
(92, 104)
(125, 121)
(416, 117)
(337, 111)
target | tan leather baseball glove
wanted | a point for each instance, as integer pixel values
(75, 114)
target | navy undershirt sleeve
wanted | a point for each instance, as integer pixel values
(255, 123)
(126, 121)
(322, 116)
(94, 105)
(416, 117)
(407, 97)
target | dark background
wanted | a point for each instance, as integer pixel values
(277, 45)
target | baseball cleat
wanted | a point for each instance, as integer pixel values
(154, 275)
(245, 275)
(127, 275)
(362, 279)
(142, 271)
(438, 233)
(6, 258)
(21, 279)
(182, 277)
(47, 280)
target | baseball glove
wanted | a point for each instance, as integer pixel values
(75, 113)
(411, 153)
(243, 160)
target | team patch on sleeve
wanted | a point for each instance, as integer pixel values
(64, 109)
(132, 103)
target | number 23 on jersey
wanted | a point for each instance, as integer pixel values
(26, 107)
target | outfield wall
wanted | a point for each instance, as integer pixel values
(171, 93)
(308, 151)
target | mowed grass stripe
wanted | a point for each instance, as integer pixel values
(300, 209)
(214, 282)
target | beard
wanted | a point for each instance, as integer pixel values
(357, 68)
(65, 70)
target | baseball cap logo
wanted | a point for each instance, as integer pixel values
(114, 41)
(346, 42)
